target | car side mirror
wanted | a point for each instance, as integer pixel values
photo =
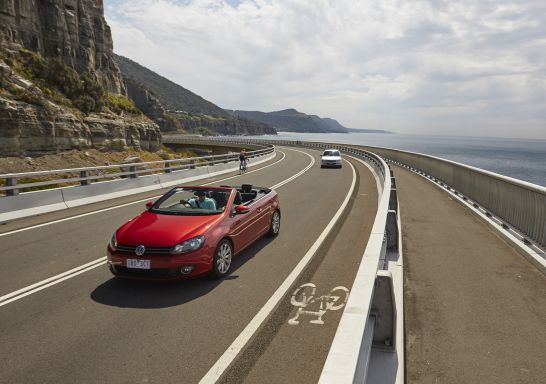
(149, 204)
(241, 209)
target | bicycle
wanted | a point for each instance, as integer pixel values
(242, 167)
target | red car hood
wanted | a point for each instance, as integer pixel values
(156, 230)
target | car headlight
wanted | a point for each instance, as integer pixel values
(113, 242)
(189, 245)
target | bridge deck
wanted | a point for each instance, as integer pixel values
(474, 307)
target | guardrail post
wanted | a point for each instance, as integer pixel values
(133, 174)
(192, 164)
(392, 230)
(84, 174)
(384, 311)
(226, 160)
(11, 182)
(211, 161)
(393, 200)
(168, 168)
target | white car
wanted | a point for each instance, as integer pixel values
(330, 158)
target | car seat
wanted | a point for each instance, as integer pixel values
(220, 198)
(246, 188)
(238, 198)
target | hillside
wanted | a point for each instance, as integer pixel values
(293, 121)
(172, 96)
(174, 108)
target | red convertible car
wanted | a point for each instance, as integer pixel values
(191, 231)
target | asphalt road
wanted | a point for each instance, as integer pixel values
(92, 328)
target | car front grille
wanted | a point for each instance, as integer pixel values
(149, 250)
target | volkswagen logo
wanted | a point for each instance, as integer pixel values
(140, 250)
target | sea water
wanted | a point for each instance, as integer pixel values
(518, 158)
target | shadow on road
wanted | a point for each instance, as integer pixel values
(146, 294)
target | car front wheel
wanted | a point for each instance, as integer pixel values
(221, 262)
(275, 226)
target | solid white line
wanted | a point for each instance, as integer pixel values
(52, 283)
(297, 174)
(126, 204)
(23, 292)
(235, 348)
(52, 280)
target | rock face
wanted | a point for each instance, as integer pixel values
(224, 126)
(151, 106)
(73, 30)
(36, 120)
(32, 129)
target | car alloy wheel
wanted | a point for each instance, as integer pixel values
(222, 258)
(275, 224)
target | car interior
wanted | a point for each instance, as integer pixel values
(247, 194)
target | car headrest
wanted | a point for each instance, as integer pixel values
(246, 188)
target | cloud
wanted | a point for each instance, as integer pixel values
(431, 66)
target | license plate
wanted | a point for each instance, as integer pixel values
(139, 264)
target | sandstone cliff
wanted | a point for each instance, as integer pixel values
(151, 106)
(31, 124)
(72, 30)
(60, 87)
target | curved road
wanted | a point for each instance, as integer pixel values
(92, 328)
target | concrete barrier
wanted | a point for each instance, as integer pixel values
(87, 194)
(39, 202)
(30, 204)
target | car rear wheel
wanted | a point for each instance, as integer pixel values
(222, 258)
(275, 224)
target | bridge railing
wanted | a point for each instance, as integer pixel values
(518, 203)
(14, 183)
(372, 295)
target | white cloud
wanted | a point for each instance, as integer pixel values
(467, 67)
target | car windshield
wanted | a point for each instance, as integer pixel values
(331, 153)
(185, 201)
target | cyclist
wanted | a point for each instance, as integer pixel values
(242, 161)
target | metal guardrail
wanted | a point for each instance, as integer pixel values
(519, 204)
(359, 332)
(86, 175)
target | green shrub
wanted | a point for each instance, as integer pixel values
(32, 65)
(62, 83)
(85, 103)
(173, 120)
(120, 103)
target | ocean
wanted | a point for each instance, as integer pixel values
(518, 158)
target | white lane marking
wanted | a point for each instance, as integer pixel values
(297, 174)
(16, 295)
(235, 348)
(19, 294)
(304, 296)
(127, 204)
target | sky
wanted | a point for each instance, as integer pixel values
(468, 68)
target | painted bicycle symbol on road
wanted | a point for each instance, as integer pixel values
(304, 299)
